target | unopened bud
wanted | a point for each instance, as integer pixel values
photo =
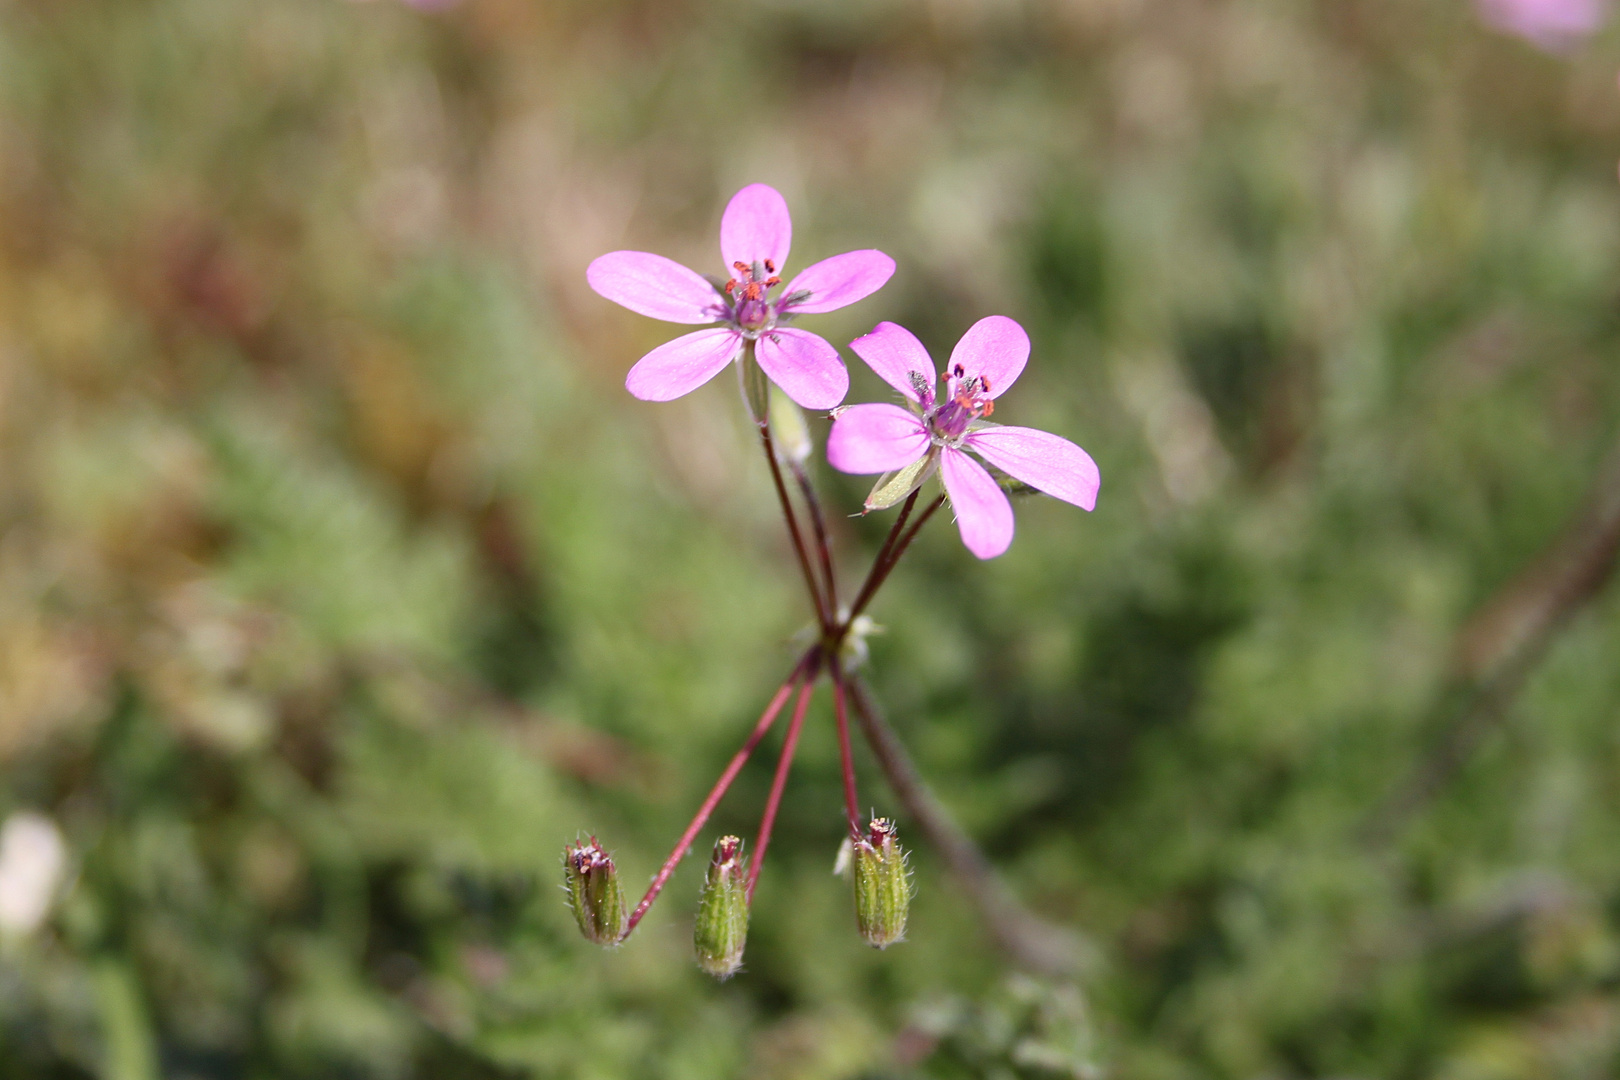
(789, 430)
(592, 883)
(882, 885)
(722, 918)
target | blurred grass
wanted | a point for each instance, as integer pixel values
(341, 583)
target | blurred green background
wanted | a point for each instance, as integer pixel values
(341, 582)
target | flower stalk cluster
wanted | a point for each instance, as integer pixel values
(940, 422)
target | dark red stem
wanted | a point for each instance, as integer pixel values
(783, 764)
(823, 617)
(881, 570)
(818, 525)
(852, 802)
(801, 673)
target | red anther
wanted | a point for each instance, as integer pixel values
(770, 268)
(959, 371)
(742, 268)
(731, 283)
(984, 384)
(751, 291)
(769, 282)
(989, 407)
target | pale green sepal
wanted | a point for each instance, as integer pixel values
(721, 929)
(790, 433)
(592, 883)
(882, 885)
(755, 386)
(894, 487)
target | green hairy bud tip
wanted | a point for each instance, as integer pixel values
(882, 885)
(592, 883)
(722, 919)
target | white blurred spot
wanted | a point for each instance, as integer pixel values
(31, 860)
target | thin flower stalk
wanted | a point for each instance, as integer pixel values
(882, 569)
(824, 617)
(803, 673)
(846, 759)
(767, 821)
(818, 525)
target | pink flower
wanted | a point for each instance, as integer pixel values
(1554, 25)
(887, 438)
(755, 234)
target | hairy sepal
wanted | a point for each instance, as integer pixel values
(895, 487)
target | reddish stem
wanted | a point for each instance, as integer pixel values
(768, 821)
(801, 672)
(852, 802)
(880, 571)
(823, 617)
(818, 525)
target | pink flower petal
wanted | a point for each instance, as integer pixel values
(678, 367)
(894, 353)
(983, 514)
(806, 368)
(756, 227)
(996, 349)
(1045, 462)
(875, 439)
(1552, 25)
(652, 285)
(841, 280)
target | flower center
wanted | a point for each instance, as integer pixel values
(748, 290)
(964, 401)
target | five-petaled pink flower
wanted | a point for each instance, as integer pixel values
(885, 438)
(755, 234)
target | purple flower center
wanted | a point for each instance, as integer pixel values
(753, 311)
(964, 401)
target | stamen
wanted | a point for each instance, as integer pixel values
(742, 268)
(770, 268)
(731, 283)
(989, 407)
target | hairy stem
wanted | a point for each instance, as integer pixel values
(852, 801)
(823, 617)
(803, 672)
(881, 570)
(818, 525)
(790, 743)
(869, 586)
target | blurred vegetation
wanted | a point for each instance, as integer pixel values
(341, 583)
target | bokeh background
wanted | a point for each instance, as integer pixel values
(341, 583)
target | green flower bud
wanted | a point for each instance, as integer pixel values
(882, 885)
(722, 918)
(592, 883)
(788, 428)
